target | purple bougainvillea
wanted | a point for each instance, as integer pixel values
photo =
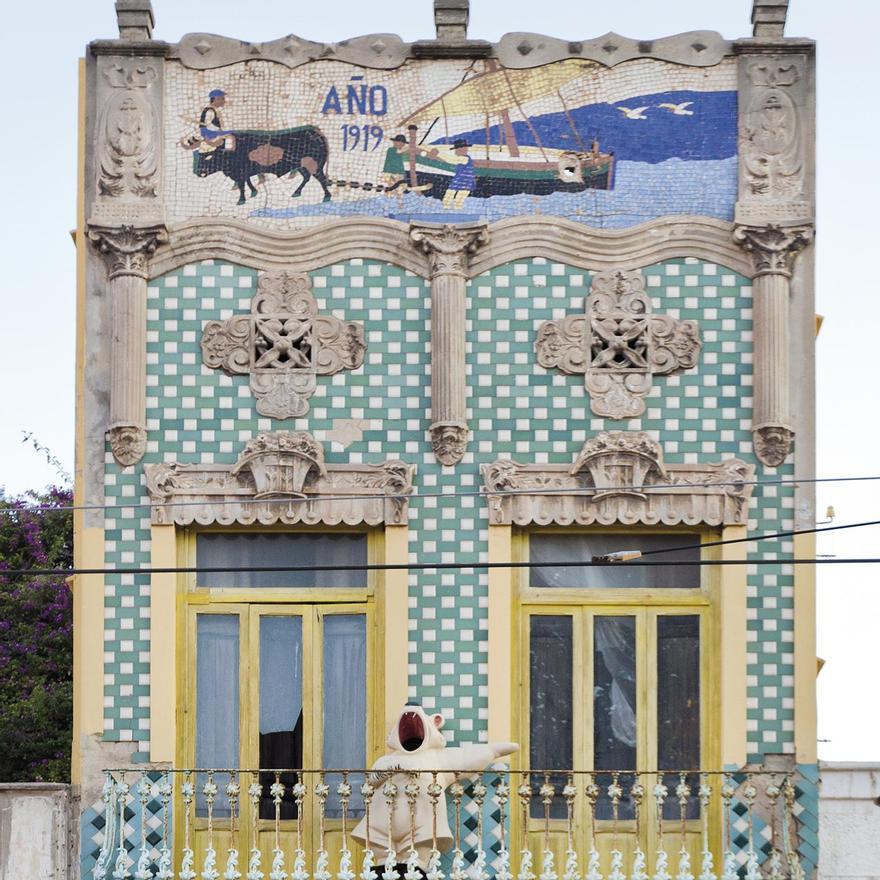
(36, 637)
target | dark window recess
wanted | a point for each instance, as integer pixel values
(546, 549)
(678, 707)
(551, 706)
(614, 709)
(240, 550)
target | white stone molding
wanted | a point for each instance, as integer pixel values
(448, 249)
(773, 250)
(283, 345)
(126, 251)
(515, 50)
(368, 238)
(554, 239)
(618, 344)
(694, 48)
(273, 468)
(619, 477)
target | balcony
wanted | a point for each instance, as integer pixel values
(407, 825)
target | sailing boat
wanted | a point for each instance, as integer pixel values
(506, 167)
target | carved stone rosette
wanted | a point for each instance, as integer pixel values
(618, 344)
(126, 251)
(283, 345)
(448, 249)
(773, 250)
(280, 477)
(619, 477)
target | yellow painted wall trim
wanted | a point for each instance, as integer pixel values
(732, 635)
(88, 688)
(805, 722)
(500, 685)
(163, 631)
(396, 625)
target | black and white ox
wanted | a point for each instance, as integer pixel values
(243, 154)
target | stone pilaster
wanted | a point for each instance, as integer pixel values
(448, 248)
(126, 251)
(773, 250)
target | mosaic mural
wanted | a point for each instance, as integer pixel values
(461, 140)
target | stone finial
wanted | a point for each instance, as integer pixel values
(135, 19)
(768, 18)
(451, 19)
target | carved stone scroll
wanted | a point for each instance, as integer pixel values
(126, 251)
(284, 345)
(128, 143)
(618, 344)
(280, 477)
(448, 249)
(774, 167)
(619, 477)
(773, 250)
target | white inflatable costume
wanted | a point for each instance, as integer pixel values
(416, 743)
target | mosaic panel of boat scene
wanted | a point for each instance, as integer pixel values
(450, 141)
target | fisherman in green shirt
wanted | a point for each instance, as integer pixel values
(394, 169)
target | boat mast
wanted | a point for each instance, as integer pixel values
(571, 124)
(504, 116)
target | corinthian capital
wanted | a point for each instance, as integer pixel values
(127, 249)
(448, 246)
(773, 248)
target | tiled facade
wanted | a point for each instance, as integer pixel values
(516, 409)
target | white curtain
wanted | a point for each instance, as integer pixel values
(217, 702)
(281, 673)
(345, 701)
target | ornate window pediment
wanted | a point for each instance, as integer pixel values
(618, 344)
(273, 468)
(284, 345)
(619, 477)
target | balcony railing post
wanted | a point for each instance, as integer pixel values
(120, 870)
(435, 792)
(255, 867)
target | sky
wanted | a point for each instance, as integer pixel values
(38, 152)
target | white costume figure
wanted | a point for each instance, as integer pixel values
(416, 743)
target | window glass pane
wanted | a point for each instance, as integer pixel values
(345, 704)
(614, 707)
(678, 705)
(243, 549)
(217, 697)
(551, 704)
(281, 707)
(545, 549)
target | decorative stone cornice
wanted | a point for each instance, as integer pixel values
(283, 345)
(273, 468)
(619, 477)
(773, 248)
(127, 249)
(374, 238)
(448, 246)
(388, 51)
(618, 345)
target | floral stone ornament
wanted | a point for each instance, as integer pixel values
(283, 345)
(619, 345)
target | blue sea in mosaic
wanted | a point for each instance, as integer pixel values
(642, 191)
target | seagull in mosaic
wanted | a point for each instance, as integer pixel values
(633, 112)
(678, 109)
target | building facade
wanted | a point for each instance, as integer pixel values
(477, 376)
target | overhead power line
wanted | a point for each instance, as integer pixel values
(447, 566)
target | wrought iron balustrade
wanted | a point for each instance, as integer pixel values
(504, 824)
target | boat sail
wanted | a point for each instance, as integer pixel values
(506, 167)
